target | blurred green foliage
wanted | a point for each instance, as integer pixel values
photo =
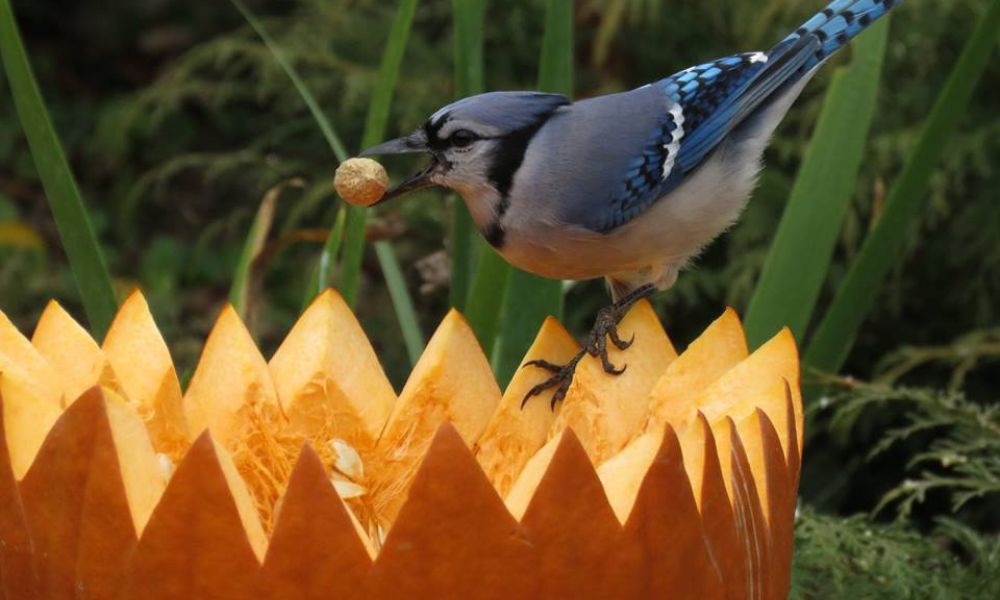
(856, 558)
(177, 121)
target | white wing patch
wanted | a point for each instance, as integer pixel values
(758, 57)
(675, 139)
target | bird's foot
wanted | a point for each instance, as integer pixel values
(605, 329)
(561, 379)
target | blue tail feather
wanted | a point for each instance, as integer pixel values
(814, 42)
(837, 24)
(713, 99)
(798, 54)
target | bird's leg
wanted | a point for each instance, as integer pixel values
(605, 328)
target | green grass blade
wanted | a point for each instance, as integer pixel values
(555, 72)
(332, 139)
(833, 339)
(466, 246)
(529, 299)
(322, 276)
(375, 125)
(353, 253)
(803, 246)
(239, 293)
(486, 297)
(75, 230)
(401, 301)
(483, 286)
(468, 17)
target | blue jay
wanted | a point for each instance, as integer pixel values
(628, 186)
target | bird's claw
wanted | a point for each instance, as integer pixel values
(605, 328)
(609, 367)
(618, 341)
(544, 364)
(562, 379)
(562, 376)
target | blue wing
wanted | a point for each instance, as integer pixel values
(691, 125)
(710, 100)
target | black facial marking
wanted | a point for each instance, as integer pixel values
(495, 234)
(506, 161)
(433, 129)
(509, 156)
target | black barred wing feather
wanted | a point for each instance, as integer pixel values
(710, 100)
(696, 94)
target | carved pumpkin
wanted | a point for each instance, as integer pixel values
(307, 477)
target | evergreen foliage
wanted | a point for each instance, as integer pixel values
(943, 540)
(855, 558)
(955, 443)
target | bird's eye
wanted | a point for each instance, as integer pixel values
(462, 138)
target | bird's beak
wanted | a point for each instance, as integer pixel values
(414, 143)
(408, 144)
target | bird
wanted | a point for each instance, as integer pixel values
(629, 186)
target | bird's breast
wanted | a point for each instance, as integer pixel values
(538, 238)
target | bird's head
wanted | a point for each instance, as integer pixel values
(475, 144)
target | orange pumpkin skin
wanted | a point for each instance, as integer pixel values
(18, 578)
(299, 487)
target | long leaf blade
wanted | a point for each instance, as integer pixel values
(239, 292)
(329, 133)
(86, 260)
(555, 72)
(323, 272)
(479, 291)
(375, 125)
(833, 339)
(321, 275)
(465, 247)
(529, 299)
(487, 296)
(401, 301)
(468, 17)
(803, 246)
